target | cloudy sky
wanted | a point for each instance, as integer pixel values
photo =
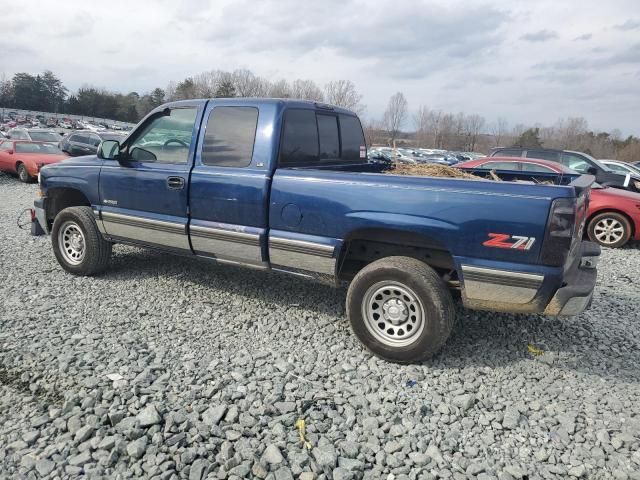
(527, 61)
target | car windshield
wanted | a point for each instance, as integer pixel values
(42, 148)
(44, 136)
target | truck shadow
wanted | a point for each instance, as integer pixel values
(581, 344)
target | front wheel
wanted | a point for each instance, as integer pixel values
(78, 244)
(400, 309)
(609, 229)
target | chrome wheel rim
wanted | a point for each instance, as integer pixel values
(393, 313)
(72, 243)
(609, 231)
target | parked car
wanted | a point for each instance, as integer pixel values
(621, 167)
(86, 142)
(26, 158)
(285, 185)
(613, 217)
(578, 161)
(34, 135)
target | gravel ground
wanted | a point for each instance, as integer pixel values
(169, 368)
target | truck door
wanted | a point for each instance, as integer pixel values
(144, 196)
(230, 182)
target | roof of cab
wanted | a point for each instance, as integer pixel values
(283, 102)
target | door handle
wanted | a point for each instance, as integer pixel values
(175, 183)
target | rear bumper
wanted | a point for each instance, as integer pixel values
(548, 291)
(575, 296)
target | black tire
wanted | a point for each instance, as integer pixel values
(618, 236)
(420, 287)
(23, 174)
(78, 222)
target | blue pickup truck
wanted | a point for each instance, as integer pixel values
(285, 185)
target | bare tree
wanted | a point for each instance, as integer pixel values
(280, 89)
(249, 85)
(421, 122)
(499, 130)
(307, 90)
(473, 126)
(395, 115)
(343, 93)
(447, 131)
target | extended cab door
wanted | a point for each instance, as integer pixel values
(229, 191)
(144, 196)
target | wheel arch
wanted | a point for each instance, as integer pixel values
(59, 198)
(364, 246)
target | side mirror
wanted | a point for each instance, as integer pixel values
(109, 150)
(592, 171)
(10, 152)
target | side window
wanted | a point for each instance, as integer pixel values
(353, 144)
(6, 145)
(501, 166)
(507, 153)
(575, 162)
(542, 155)
(532, 167)
(618, 168)
(329, 140)
(166, 138)
(230, 135)
(299, 145)
(94, 140)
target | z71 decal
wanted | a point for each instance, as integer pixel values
(503, 240)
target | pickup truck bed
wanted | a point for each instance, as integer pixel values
(284, 185)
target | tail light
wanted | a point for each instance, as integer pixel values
(559, 233)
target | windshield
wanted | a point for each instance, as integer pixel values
(44, 136)
(42, 148)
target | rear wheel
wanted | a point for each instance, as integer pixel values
(23, 173)
(609, 229)
(400, 309)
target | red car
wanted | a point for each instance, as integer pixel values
(26, 158)
(614, 214)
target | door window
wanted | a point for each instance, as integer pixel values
(618, 168)
(499, 166)
(534, 167)
(575, 162)
(166, 138)
(543, 155)
(230, 135)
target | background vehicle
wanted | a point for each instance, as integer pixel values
(578, 161)
(34, 135)
(285, 185)
(26, 158)
(86, 142)
(613, 217)
(621, 167)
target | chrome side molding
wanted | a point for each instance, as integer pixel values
(302, 255)
(492, 285)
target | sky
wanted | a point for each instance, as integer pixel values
(529, 62)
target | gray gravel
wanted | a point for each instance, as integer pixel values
(171, 368)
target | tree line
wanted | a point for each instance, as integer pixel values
(425, 127)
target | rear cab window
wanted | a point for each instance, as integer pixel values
(313, 138)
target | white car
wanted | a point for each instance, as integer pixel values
(621, 167)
